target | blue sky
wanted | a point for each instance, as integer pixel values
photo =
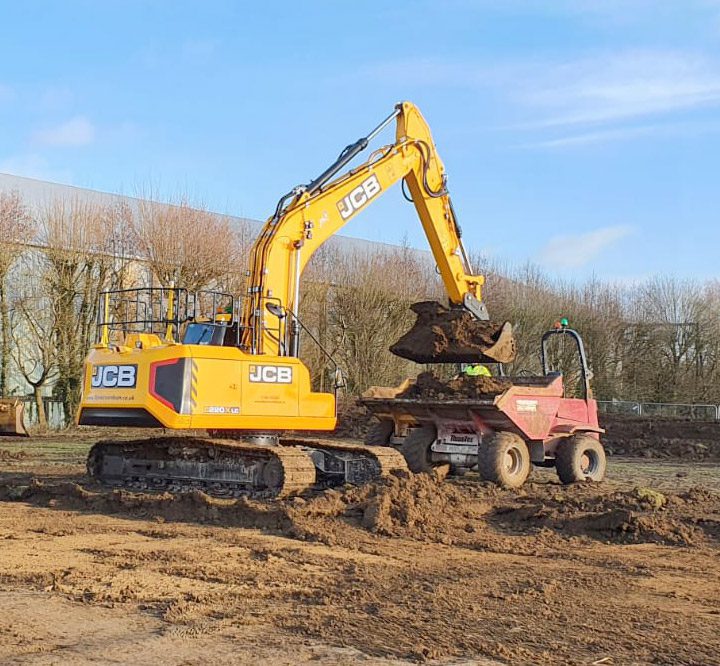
(582, 135)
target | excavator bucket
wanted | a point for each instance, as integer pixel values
(454, 335)
(11, 418)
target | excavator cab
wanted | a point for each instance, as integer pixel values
(171, 314)
(205, 333)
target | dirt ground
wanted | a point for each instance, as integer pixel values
(407, 570)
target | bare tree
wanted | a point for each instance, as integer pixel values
(16, 230)
(35, 352)
(74, 238)
(184, 245)
(368, 310)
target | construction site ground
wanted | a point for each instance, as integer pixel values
(410, 569)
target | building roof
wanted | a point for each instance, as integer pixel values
(39, 193)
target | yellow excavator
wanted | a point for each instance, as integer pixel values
(167, 358)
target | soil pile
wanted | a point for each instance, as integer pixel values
(481, 516)
(353, 420)
(429, 387)
(423, 508)
(8, 456)
(442, 335)
(661, 438)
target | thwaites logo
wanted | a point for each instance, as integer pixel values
(114, 376)
(271, 374)
(354, 201)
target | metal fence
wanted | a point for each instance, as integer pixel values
(54, 412)
(670, 410)
(695, 412)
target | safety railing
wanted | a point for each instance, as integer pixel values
(160, 310)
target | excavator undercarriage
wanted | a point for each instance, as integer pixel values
(232, 468)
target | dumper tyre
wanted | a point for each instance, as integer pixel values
(416, 448)
(504, 460)
(580, 458)
(380, 433)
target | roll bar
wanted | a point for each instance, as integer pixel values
(584, 368)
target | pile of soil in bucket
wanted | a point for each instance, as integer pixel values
(442, 335)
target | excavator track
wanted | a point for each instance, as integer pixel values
(362, 463)
(231, 468)
(221, 468)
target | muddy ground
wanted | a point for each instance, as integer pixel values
(407, 570)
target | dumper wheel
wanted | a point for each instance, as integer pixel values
(416, 448)
(580, 458)
(505, 460)
(380, 433)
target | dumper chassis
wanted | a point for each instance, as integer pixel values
(530, 423)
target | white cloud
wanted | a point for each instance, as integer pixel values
(602, 136)
(609, 96)
(33, 165)
(683, 129)
(578, 250)
(622, 86)
(77, 131)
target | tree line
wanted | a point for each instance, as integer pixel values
(657, 340)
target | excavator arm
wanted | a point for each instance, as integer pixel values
(307, 216)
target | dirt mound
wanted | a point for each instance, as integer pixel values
(661, 438)
(424, 508)
(353, 420)
(429, 387)
(416, 506)
(640, 515)
(9, 456)
(481, 516)
(442, 335)
(194, 507)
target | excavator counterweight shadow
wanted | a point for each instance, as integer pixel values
(454, 335)
(11, 418)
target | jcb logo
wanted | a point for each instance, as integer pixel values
(271, 374)
(354, 201)
(114, 376)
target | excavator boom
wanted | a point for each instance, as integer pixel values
(308, 215)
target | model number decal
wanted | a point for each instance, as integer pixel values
(354, 201)
(218, 409)
(271, 374)
(114, 376)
